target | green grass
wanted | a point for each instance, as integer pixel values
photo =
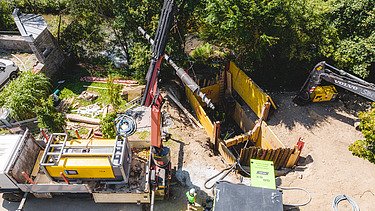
(73, 87)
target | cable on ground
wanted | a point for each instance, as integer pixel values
(297, 188)
(125, 125)
(342, 197)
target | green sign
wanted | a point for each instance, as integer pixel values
(262, 174)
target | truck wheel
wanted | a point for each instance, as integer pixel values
(13, 75)
(13, 197)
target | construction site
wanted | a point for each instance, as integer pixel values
(206, 137)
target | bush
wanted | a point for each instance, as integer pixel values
(49, 117)
(366, 148)
(6, 20)
(107, 125)
(23, 94)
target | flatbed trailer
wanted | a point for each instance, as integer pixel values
(26, 168)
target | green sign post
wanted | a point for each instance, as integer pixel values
(262, 174)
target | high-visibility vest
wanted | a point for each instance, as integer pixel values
(190, 198)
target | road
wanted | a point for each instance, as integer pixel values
(63, 203)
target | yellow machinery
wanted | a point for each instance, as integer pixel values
(323, 93)
(105, 159)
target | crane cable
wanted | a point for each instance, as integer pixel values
(342, 197)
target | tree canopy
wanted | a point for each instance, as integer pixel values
(275, 41)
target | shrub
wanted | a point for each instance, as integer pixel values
(23, 94)
(366, 148)
(107, 125)
(49, 117)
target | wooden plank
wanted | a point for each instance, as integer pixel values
(268, 138)
(254, 155)
(265, 111)
(269, 153)
(293, 157)
(226, 153)
(287, 157)
(246, 155)
(231, 142)
(259, 153)
(273, 152)
(241, 155)
(280, 157)
(236, 140)
(282, 160)
(276, 155)
(249, 91)
(229, 84)
(264, 154)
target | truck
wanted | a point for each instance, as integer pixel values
(111, 170)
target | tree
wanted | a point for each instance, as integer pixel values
(49, 117)
(354, 21)
(113, 92)
(6, 20)
(23, 94)
(366, 148)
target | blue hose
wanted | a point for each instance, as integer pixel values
(125, 125)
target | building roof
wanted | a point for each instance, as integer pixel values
(29, 24)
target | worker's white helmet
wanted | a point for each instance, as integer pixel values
(192, 191)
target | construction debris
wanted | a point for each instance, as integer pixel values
(191, 118)
(79, 118)
(93, 110)
(88, 96)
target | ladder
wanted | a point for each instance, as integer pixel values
(54, 149)
(118, 150)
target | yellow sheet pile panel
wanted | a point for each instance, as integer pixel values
(212, 92)
(82, 168)
(199, 111)
(249, 91)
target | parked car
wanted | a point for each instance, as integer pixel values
(8, 71)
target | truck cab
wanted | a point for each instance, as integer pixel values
(8, 71)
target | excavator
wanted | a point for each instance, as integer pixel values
(313, 90)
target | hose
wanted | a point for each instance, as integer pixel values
(229, 169)
(232, 167)
(125, 125)
(342, 197)
(297, 188)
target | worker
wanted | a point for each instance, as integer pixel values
(191, 194)
(209, 204)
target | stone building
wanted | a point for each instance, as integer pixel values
(33, 28)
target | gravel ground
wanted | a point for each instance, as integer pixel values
(327, 166)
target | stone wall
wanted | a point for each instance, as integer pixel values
(46, 49)
(14, 43)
